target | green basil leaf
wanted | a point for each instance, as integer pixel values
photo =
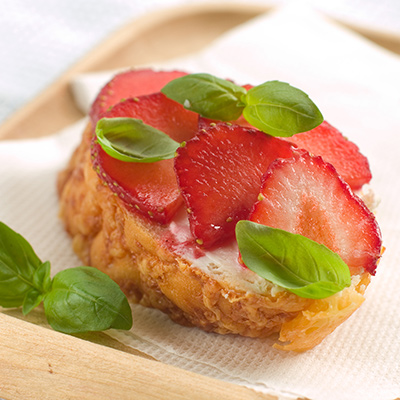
(85, 299)
(32, 299)
(18, 263)
(41, 277)
(279, 109)
(292, 261)
(207, 95)
(131, 140)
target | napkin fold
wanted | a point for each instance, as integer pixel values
(357, 87)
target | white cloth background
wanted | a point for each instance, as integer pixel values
(357, 87)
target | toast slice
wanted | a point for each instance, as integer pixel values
(216, 296)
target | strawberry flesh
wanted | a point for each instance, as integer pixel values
(219, 172)
(205, 123)
(327, 142)
(305, 195)
(132, 83)
(150, 188)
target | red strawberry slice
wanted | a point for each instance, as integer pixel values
(305, 195)
(344, 155)
(132, 83)
(219, 172)
(151, 187)
(205, 123)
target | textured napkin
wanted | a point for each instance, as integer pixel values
(357, 87)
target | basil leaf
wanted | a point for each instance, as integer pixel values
(131, 140)
(279, 109)
(18, 263)
(32, 299)
(292, 261)
(41, 277)
(77, 300)
(85, 299)
(207, 95)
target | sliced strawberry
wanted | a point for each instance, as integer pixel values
(219, 172)
(247, 86)
(344, 155)
(305, 195)
(132, 83)
(205, 123)
(150, 187)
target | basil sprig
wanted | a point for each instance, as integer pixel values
(292, 261)
(274, 107)
(207, 95)
(79, 299)
(131, 140)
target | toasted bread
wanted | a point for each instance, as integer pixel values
(131, 249)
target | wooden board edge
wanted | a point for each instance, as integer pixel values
(36, 362)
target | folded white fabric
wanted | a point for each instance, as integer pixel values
(357, 87)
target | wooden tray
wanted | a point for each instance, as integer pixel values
(38, 363)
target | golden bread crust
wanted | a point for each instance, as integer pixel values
(119, 242)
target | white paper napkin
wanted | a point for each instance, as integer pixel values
(357, 87)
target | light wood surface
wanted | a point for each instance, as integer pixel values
(38, 363)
